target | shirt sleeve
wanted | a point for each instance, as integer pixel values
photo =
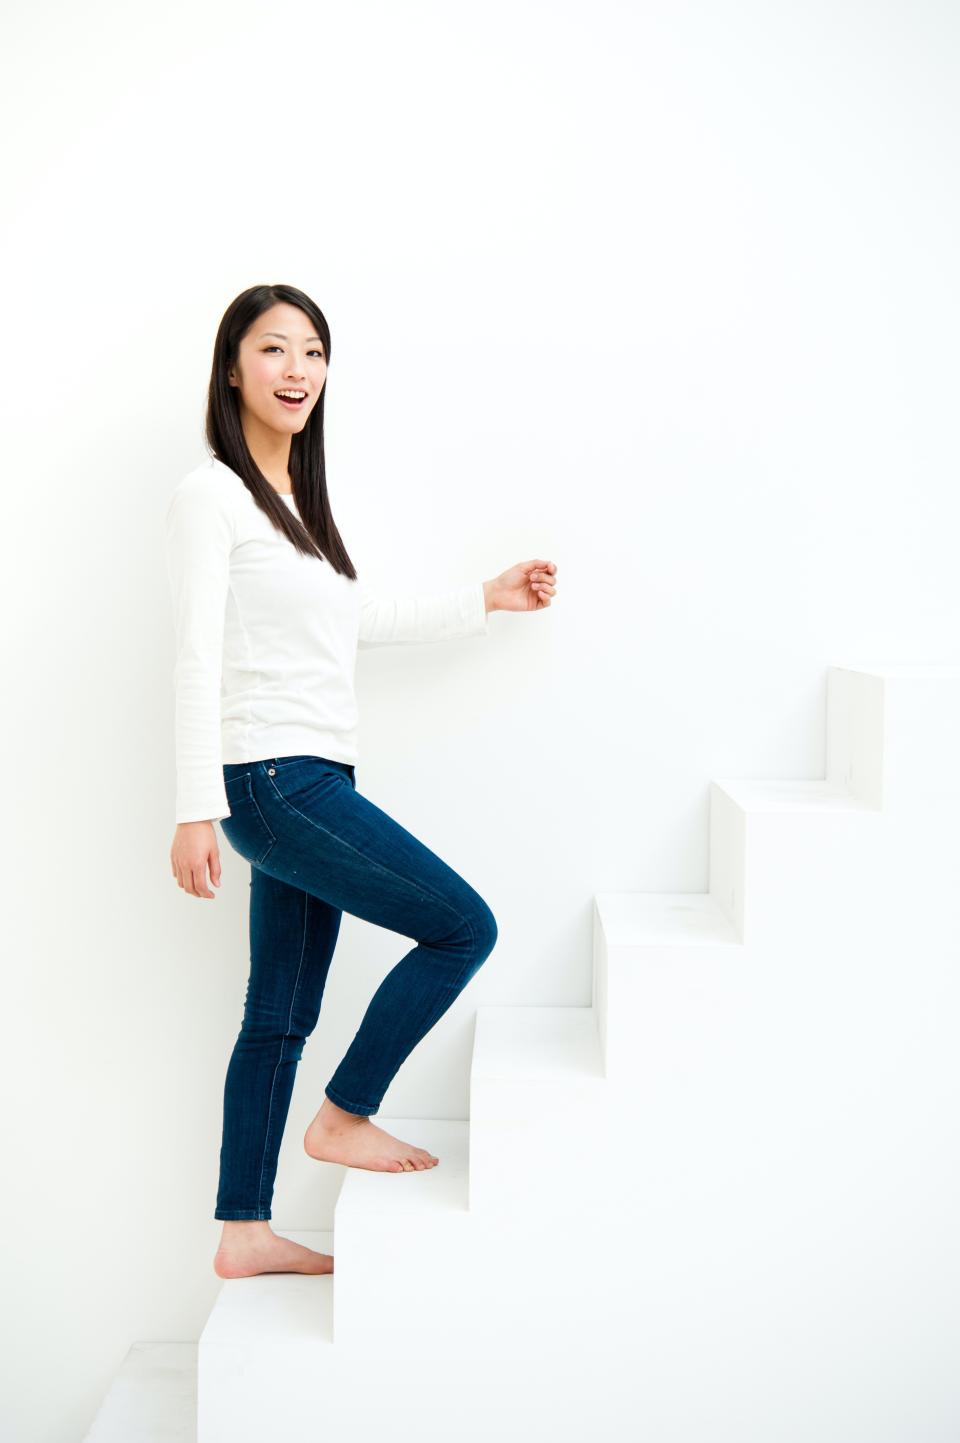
(199, 537)
(391, 621)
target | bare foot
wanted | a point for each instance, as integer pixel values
(348, 1138)
(247, 1248)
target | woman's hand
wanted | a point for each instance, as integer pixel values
(194, 850)
(528, 586)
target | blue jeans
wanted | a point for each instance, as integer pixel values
(317, 849)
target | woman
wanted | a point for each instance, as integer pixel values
(269, 614)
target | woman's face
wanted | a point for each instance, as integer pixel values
(280, 352)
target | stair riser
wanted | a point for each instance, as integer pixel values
(775, 873)
(539, 1148)
(893, 741)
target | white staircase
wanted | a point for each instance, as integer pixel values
(718, 1204)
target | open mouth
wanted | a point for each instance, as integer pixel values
(293, 400)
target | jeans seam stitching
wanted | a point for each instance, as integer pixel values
(247, 793)
(267, 828)
(370, 860)
(273, 1080)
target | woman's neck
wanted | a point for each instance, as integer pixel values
(271, 452)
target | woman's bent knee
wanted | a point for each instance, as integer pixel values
(484, 927)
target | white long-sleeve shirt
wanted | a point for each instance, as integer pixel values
(266, 638)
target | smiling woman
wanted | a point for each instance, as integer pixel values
(269, 615)
(276, 363)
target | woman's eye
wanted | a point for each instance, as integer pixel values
(277, 348)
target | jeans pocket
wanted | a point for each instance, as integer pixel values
(301, 781)
(246, 827)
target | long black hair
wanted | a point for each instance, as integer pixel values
(318, 536)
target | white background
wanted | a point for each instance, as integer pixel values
(666, 293)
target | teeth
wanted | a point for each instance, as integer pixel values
(291, 395)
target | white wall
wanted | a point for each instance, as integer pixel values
(666, 293)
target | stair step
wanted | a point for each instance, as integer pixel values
(649, 947)
(784, 853)
(648, 919)
(538, 1096)
(404, 1246)
(535, 1044)
(791, 795)
(152, 1399)
(275, 1307)
(891, 735)
(438, 1189)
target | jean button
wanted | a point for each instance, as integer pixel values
(271, 771)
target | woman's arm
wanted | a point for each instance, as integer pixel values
(392, 621)
(199, 537)
(527, 586)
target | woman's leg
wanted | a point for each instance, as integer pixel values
(302, 822)
(317, 849)
(292, 940)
